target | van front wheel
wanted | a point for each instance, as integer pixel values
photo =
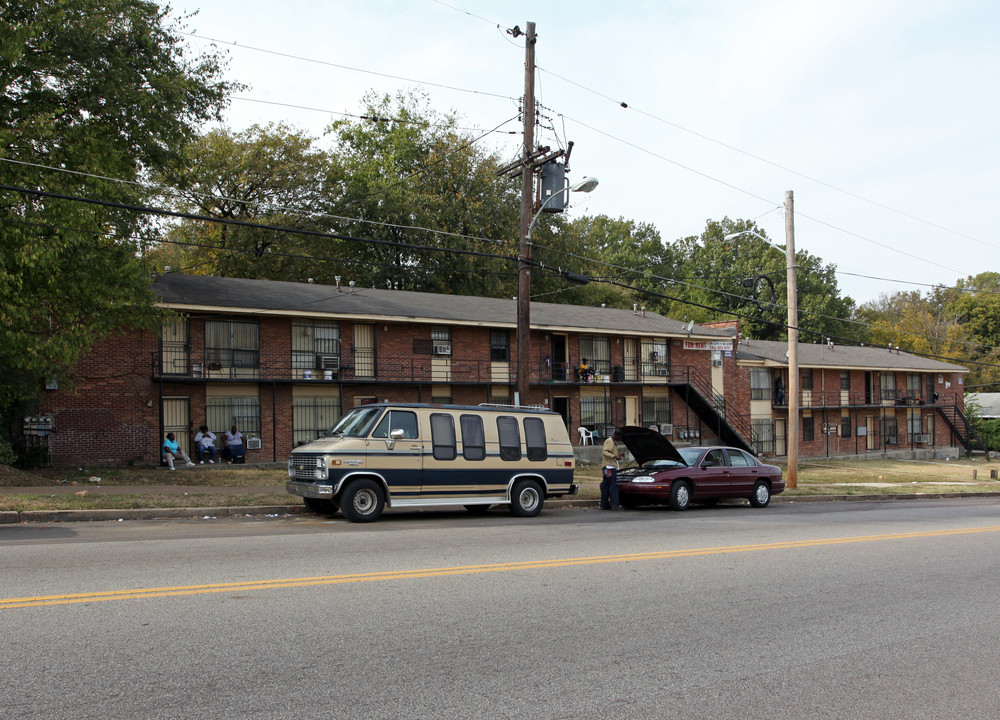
(526, 498)
(362, 501)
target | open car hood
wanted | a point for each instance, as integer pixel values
(646, 445)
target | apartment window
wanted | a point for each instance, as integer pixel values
(914, 422)
(890, 433)
(313, 417)
(888, 385)
(499, 345)
(654, 356)
(221, 413)
(593, 411)
(845, 379)
(807, 379)
(760, 384)
(597, 350)
(656, 410)
(231, 343)
(845, 426)
(808, 429)
(316, 346)
(913, 390)
(762, 432)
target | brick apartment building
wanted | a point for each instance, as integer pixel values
(284, 360)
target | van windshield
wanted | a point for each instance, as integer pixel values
(356, 423)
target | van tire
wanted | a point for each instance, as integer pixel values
(526, 498)
(362, 501)
(320, 506)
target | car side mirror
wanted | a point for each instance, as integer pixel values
(708, 464)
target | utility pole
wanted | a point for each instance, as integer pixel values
(792, 481)
(527, 207)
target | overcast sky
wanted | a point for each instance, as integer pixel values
(880, 115)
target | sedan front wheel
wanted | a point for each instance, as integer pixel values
(680, 495)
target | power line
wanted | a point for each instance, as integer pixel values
(627, 106)
(351, 68)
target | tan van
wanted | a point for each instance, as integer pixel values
(416, 455)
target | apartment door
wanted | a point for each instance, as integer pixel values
(559, 358)
(632, 410)
(174, 347)
(871, 433)
(631, 360)
(780, 434)
(364, 350)
(177, 419)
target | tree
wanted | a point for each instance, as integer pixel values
(103, 89)
(745, 278)
(269, 175)
(409, 179)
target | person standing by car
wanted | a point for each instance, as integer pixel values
(609, 478)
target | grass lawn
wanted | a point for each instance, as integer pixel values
(225, 485)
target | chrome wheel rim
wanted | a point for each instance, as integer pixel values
(762, 493)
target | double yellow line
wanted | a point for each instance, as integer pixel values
(107, 595)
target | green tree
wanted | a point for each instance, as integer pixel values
(269, 175)
(745, 277)
(101, 89)
(408, 178)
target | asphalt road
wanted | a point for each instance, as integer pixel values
(828, 610)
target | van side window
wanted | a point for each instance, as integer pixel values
(473, 437)
(398, 420)
(534, 438)
(443, 436)
(510, 438)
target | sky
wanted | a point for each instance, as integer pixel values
(879, 115)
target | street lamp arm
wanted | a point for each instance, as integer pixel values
(587, 184)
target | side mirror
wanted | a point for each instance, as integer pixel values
(708, 464)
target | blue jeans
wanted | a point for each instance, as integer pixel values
(609, 488)
(203, 451)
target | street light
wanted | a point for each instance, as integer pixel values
(793, 342)
(587, 184)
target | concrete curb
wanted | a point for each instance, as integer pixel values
(211, 513)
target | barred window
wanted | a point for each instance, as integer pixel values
(221, 413)
(313, 417)
(762, 431)
(656, 410)
(845, 426)
(593, 411)
(808, 429)
(807, 379)
(845, 379)
(890, 432)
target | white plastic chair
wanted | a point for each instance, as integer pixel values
(586, 436)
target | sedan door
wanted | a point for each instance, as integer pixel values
(712, 478)
(743, 471)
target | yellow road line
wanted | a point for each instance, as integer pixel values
(104, 596)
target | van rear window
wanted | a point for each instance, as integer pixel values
(473, 437)
(510, 438)
(534, 438)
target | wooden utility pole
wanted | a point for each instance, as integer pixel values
(792, 480)
(527, 207)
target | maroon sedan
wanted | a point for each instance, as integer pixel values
(693, 474)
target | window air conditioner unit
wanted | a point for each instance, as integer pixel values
(253, 444)
(921, 438)
(667, 429)
(442, 349)
(327, 362)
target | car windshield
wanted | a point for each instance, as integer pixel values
(690, 455)
(356, 423)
